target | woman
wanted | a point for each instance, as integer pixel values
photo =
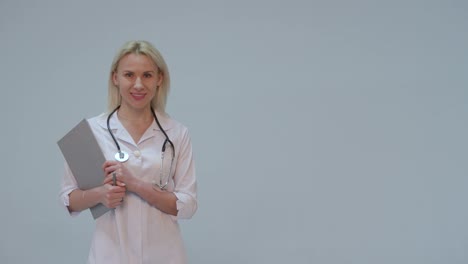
(149, 175)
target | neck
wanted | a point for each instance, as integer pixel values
(143, 115)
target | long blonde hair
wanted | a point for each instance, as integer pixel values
(140, 47)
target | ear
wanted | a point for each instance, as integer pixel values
(161, 78)
(114, 79)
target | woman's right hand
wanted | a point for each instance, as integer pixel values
(112, 196)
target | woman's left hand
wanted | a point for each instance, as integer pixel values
(122, 174)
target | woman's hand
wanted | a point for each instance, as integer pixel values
(124, 178)
(112, 196)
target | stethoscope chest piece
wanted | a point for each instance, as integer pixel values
(121, 156)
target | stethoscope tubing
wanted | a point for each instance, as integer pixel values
(122, 156)
(121, 153)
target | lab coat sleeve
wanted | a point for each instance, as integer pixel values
(68, 185)
(185, 187)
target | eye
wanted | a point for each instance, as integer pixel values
(128, 74)
(147, 75)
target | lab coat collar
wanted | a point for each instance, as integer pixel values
(115, 124)
(120, 132)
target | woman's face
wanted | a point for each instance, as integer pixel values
(137, 78)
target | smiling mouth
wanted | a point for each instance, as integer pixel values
(138, 96)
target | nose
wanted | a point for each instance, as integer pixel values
(138, 83)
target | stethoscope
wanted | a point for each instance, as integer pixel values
(123, 156)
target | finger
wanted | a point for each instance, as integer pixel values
(108, 179)
(108, 163)
(119, 199)
(117, 190)
(119, 171)
(111, 168)
(117, 202)
(119, 175)
(121, 189)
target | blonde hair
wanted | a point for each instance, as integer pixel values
(140, 47)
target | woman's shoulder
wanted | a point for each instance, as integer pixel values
(168, 123)
(99, 120)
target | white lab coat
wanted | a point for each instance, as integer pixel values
(136, 232)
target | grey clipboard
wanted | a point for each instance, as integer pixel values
(85, 158)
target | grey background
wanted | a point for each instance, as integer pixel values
(324, 131)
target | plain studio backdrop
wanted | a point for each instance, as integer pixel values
(323, 131)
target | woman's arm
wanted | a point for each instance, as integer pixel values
(182, 203)
(110, 196)
(163, 200)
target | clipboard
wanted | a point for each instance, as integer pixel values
(85, 158)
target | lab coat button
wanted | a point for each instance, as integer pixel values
(137, 153)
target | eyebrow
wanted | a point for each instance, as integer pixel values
(143, 72)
